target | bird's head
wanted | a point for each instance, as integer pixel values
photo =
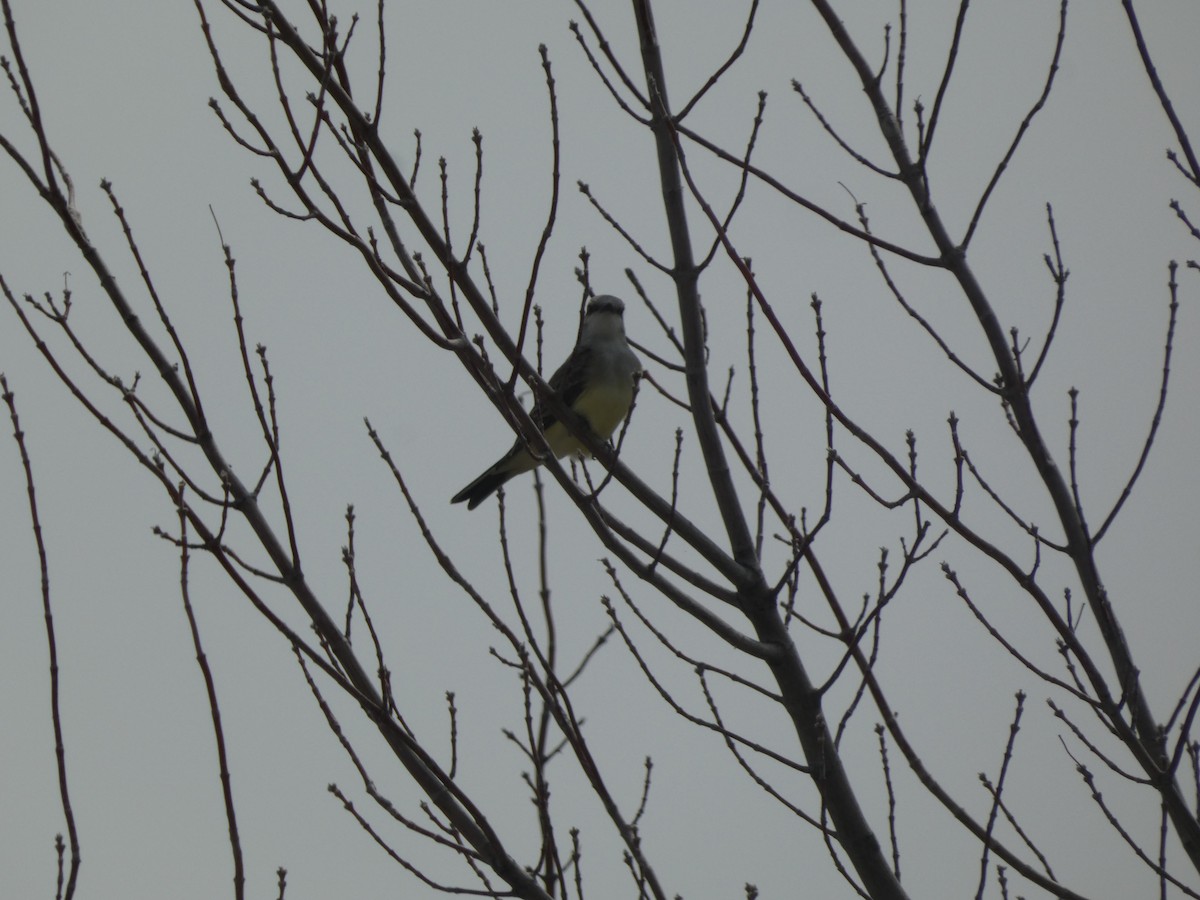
(605, 303)
(603, 318)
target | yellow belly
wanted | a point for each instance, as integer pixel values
(602, 407)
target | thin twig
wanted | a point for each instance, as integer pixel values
(60, 751)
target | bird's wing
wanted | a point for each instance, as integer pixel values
(567, 383)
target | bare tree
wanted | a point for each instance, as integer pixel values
(776, 626)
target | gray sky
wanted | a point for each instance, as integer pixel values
(124, 87)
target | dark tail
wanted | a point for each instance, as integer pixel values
(482, 487)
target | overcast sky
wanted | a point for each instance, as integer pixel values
(124, 88)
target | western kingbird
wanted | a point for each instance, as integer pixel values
(596, 382)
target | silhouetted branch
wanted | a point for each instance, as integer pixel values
(1181, 133)
(1021, 129)
(235, 844)
(67, 891)
(1127, 490)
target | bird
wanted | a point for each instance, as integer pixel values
(596, 382)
